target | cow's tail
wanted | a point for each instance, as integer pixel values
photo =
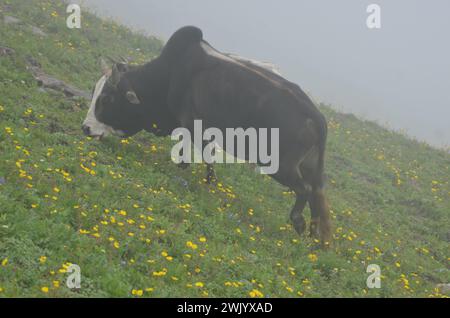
(323, 133)
(320, 211)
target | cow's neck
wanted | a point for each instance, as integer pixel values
(150, 81)
(151, 84)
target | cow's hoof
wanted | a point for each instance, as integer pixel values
(314, 229)
(211, 180)
(326, 236)
(325, 245)
(183, 165)
(299, 224)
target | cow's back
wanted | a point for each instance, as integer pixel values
(227, 93)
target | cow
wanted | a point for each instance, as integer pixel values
(191, 80)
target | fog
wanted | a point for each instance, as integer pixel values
(398, 75)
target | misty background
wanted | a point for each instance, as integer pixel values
(398, 75)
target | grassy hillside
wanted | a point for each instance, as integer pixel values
(140, 227)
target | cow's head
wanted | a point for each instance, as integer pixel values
(115, 108)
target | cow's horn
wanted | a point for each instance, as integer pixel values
(115, 76)
(132, 98)
(123, 59)
(106, 69)
(112, 59)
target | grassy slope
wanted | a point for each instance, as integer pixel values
(133, 221)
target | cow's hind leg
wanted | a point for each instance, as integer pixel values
(297, 219)
(320, 213)
(290, 176)
(319, 207)
(315, 220)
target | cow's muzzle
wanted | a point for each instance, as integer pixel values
(87, 131)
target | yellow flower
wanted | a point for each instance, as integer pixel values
(256, 294)
(202, 239)
(160, 273)
(137, 292)
(191, 245)
(116, 244)
(43, 259)
(199, 284)
(1, 108)
(5, 262)
(313, 257)
(44, 289)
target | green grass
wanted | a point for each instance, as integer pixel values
(135, 223)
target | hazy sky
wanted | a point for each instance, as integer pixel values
(398, 75)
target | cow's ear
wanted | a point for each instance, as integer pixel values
(132, 98)
(106, 69)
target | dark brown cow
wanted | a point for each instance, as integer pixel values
(190, 81)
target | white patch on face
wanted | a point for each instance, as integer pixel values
(96, 128)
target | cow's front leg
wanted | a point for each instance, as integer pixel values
(183, 165)
(210, 174)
